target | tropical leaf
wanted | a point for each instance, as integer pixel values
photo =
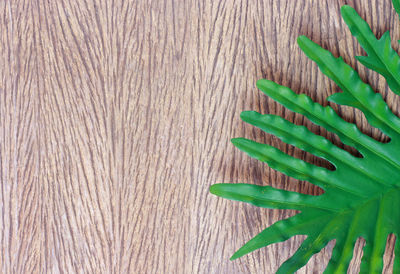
(362, 195)
(381, 56)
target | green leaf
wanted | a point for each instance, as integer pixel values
(269, 197)
(283, 230)
(381, 58)
(370, 103)
(362, 195)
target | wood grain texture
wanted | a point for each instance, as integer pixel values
(116, 117)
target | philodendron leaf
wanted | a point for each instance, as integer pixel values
(362, 195)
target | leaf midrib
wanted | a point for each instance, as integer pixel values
(394, 164)
(333, 155)
(329, 126)
(379, 118)
(321, 182)
(378, 196)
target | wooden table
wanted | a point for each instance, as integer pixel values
(116, 117)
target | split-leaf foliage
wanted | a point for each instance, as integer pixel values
(362, 195)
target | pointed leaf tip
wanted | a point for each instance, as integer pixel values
(263, 83)
(249, 114)
(346, 8)
(238, 141)
(244, 250)
(347, 11)
(235, 256)
(302, 38)
(214, 189)
(306, 44)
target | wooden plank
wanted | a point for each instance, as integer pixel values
(116, 117)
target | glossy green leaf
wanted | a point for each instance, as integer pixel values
(362, 195)
(381, 58)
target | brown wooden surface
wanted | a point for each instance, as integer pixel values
(116, 117)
